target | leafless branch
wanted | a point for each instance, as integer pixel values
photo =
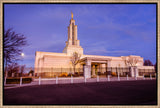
(13, 44)
(75, 59)
(131, 61)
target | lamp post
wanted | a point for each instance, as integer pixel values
(22, 56)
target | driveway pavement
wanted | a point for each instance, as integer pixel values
(132, 92)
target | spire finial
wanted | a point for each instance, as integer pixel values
(72, 14)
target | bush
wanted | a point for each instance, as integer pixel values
(65, 74)
(99, 73)
(76, 74)
(17, 80)
(113, 73)
(149, 75)
(123, 75)
(108, 73)
(94, 76)
(80, 73)
(69, 75)
(31, 72)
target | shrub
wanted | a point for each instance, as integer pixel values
(123, 75)
(113, 73)
(76, 74)
(31, 72)
(17, 80)
(94, 76)
(99, 73)
(69, 75)
(149, 75)
(108, 73)
(65, 74)
(80, 73)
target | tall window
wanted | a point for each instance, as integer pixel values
(73, 34)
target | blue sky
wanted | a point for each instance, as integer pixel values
(103, 29)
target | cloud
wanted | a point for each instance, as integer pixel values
(103, 29)
(29, 56)
(96, 51)
(100, 49)
(102, 52)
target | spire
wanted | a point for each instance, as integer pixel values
(72, 14)
(72, 44)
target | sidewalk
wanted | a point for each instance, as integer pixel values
(45, 81)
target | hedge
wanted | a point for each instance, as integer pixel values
(17, 80)
(149, 75)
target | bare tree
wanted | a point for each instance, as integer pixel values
(13, 68)
(22, 69)
(155, 67)
(75, 59)
(147, 63)
(131, 61)
(13, 44)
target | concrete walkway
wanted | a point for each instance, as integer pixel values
(46, 81)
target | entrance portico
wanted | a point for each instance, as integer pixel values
(98, 67)
(93, 65)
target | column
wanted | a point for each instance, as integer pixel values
(93, 70)
(134, 71)
(97, 69)
(103, 68)
(106, 66)
(109, 63)
(87, 69)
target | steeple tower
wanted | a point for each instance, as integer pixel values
(72, 15)
(72, 44)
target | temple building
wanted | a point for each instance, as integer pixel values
(89, 63)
